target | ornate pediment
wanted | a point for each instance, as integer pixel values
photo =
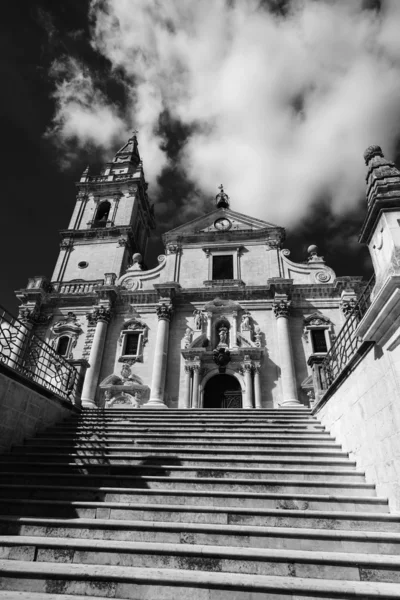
(224, 223)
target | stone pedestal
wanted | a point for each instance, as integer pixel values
(101, 316)
(164, 312)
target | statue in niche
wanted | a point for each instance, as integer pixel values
(245, 324)
(223, 335)
(198, 320)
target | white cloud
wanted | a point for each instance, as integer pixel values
(83, 113)
(281, 108)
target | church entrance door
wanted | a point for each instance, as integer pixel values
(222, 391)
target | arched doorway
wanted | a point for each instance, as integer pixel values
(222, 391)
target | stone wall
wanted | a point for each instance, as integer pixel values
(363, 413)
(25, 410)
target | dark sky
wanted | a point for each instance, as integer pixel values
(38, 197)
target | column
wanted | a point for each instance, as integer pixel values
(257, 386)
(186, 394)
(101, 316)
(288, 376)
(196, 378)
(233, 343)
(209, 328)
(248, 395)
(164, 313)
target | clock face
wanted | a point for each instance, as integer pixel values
(223, 224)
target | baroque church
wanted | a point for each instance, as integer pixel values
(225, 320)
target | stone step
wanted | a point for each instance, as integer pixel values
(154, 482)
(140, 458)
(121, 473)
(165, 584)
(282, 422)
(211, 534)
(191, 416)
(199, 413)
(184, 427)
(257, 561)
(142, 450)
(252, 444)
(65, 438)
(201, 497)
(293, 515)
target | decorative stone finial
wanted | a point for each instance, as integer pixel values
(313, 254)
(372, 151)
(222, 199)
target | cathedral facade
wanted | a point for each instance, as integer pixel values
(225, 320)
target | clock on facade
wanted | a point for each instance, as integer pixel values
(223, 224)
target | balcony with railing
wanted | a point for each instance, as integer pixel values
(347, 343)
(36, 361)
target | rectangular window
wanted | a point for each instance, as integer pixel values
(319, 340)
(131, 344)
(222, 267)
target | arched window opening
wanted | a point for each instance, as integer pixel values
(62, 345)
(101, 217)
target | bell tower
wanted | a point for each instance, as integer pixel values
(111, 221)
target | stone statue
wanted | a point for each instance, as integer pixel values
(198, 320)
(245, 325)
(187, 338)
(223, 335)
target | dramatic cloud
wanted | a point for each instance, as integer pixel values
(279, 107)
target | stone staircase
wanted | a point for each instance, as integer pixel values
(209, 505)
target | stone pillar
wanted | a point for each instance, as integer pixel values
(196, 377)
(164, 313)
(248, 396)
(257, 387)
(209, 327)
(233, 343)
(80, 365)
(101, 316)
(288, 376)
(186, 396)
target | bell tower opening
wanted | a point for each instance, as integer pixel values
(222, 391)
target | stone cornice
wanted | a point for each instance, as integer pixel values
(273, 235)
(101, 233)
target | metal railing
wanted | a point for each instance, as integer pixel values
(346, 343)
(27, 354)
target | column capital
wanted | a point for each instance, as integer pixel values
(100, 313)
(347, 305)
(281, 308)
(164, 311)
(188, 368)
(247, 366)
